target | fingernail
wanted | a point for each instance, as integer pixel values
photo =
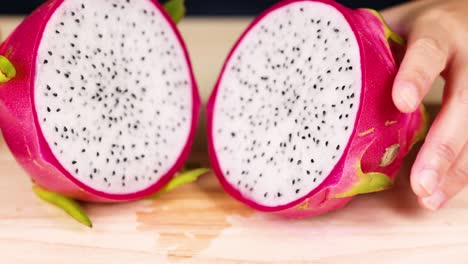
(434, 201)
(408, 95)
(428, 181)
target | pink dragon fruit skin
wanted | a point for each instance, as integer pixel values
(18, 117)
(382, 135)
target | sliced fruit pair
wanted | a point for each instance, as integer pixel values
(99, 103)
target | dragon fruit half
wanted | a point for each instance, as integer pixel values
(301, 118)
(97, 98)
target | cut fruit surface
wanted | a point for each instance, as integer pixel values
(114, 109)
(287, 101)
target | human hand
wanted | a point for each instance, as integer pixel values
(437, 34)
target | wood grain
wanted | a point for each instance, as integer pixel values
(199, 223)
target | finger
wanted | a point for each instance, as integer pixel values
(445, 139)
(426, 57)
(451, 184)
(399, 17)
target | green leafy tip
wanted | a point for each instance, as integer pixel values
(182, 178)
(368, 183)
(7, 70)
(70, 206)
(175, 9)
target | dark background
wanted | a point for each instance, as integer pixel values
(206, 7)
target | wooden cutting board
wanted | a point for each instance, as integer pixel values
(199, 223)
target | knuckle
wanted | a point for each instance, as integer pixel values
(434, 14)
(444, 16)
(445, 151)
(431, 47)
(428, 60)
(448, 20)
